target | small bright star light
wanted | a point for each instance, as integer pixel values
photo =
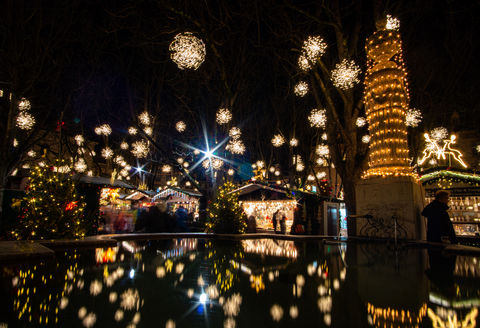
(124, 145)
(139, 149)
(294, 142)
(132, 273)
(366, 138)
(31, 153)
(25, 121)
(361, 121)
(80, 166)
(318, 118)
(166, 168)
(196, 152)
(24, 104)
(180, 160)
(79, 139)
(203, 298)
(322, 150)
(303, 63)
(260, 164)
(231, 171)
(314, 47)
(235, 146)
(278, 140)
(148, 130)
(180, 126)
(345, 74)
(187, 51)
(439, 133)
(107, 152)
(132, 130)
(15, 142)
(393, 23)
(301, 88)
(413, 117)
(144, 118)
(324, 136)
(235, 132)
(223, 116)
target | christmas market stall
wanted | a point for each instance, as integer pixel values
(464, 203)
(176, 197)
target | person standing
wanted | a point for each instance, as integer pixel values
(439, 226)
(274, 221)
(283, 224)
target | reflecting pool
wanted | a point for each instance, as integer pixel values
(248, 283)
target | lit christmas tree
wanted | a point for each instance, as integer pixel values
(225, 213)
(51, 208)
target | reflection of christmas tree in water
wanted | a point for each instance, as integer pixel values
(41, 293)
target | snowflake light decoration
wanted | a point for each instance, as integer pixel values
(132, 130)
(139, 149)
(124, 145)
(324, 136)
(413, 117)
(180, 126)
(31, 153)
(118, 159)
(235, 133)
(321, 175)
(439, 133)
(322, 150)
(314, 47)
(298, 162)
(187, 51)
(217, 163)
(166, 168)
(301, 88)
(80, 166)
(320, 161)
(148, 130)
(107, 152)
(124, 172)
(144, 118)
(294, 142)
(206, 164)
(361, 121)
(103, 129)
(25, 121)
(223, 116)
(318, 118)
(24, 104)
(278, 140)
(366, 139)
(79, 139)
(393, 23)
(345, 74)
(303, 63)
(235, 146)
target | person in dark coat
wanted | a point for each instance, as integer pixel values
(438, 220)
(274, 220)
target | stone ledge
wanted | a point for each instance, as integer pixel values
(11, 251)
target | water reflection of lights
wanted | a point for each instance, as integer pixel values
(283, 248)
(132, 247)
(381, 317)
(95, 287)
(293, 311)
(130, 299)
(444, 318)
(231, 307)
(257, 283)
(106, 255)
(276, 312)
(467, 266)
(180, 248)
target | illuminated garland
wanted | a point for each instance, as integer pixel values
(386, 103)
(452, 176)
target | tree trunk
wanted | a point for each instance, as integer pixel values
(349, 197)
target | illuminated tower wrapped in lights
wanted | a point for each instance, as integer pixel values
(386, 103)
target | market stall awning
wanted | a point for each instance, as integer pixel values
(260, 192)
(137, 195)
(454, 176)
(178, 193)
(102, 181)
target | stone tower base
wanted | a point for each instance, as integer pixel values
(384, 198)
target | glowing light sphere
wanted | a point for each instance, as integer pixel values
(25, 121)
(124, 145)
(144, 118)
(322, 150)
(361, 121)
(278, 140)
(223, 116)
(24, 104)
(294, 142)
(235, 146)
(345, 74)
(301, 88)
(318, 118)
(132, 130)
(366, 138)
(180, 126)
(187, 51)
(314, 47)
(79, 139)
(139, 149)
(107, 152)
(231, 172)
(304, 63)
(80, 166)
(439, 133)
(413, 117)
(393, 23)
(235, 132)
